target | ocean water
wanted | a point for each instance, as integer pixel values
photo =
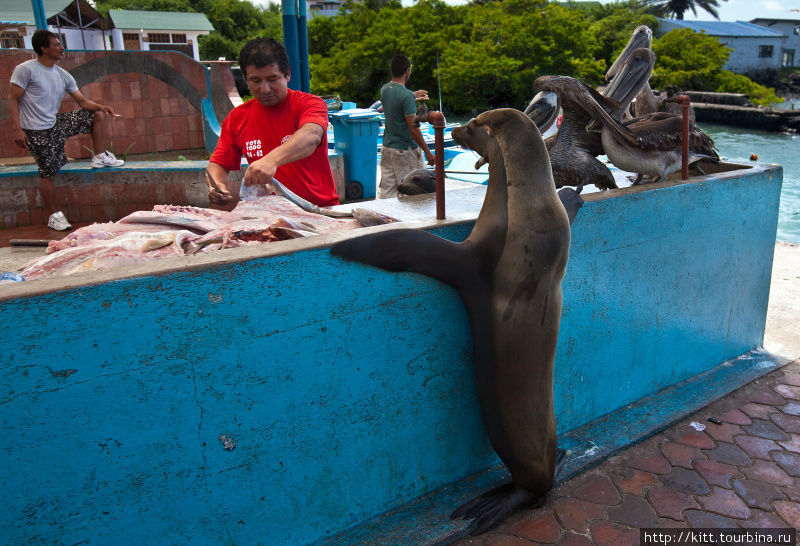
(738, 145)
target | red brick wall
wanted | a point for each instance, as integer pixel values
(155, 116)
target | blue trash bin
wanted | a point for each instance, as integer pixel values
(355, 133)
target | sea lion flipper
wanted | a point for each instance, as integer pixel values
(492, 507)
(406, 250)
(572, 202)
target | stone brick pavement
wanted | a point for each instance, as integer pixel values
(743, 472)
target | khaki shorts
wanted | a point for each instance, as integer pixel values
(395, 165)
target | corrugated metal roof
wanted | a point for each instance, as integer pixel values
(21, 11)
(726, 28)
(158, 20)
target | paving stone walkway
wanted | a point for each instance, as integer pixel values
(742, 472)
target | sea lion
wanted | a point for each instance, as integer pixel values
(417, 182)
(508, 272)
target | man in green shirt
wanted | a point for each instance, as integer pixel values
(403, 144)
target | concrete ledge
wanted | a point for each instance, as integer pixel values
(86, 194)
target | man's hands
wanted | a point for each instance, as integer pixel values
(260, 172)
(430, 158)
(106, 110)
(420, 94)
(218, 192)
(21, 139)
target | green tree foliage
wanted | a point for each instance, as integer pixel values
(489, 54)
(235, 21)
(690, 60)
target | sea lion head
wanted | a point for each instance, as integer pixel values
(477, 136)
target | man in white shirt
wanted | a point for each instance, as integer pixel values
(37, 89)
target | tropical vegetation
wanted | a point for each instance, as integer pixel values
(484, 54)
(666, 8)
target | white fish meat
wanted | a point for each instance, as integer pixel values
(99, 254)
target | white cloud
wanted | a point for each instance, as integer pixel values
(773, 5)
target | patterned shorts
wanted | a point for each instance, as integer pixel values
(47, 145)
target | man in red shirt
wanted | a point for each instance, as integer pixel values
(282, 132)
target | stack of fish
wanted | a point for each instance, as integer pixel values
(170, 230)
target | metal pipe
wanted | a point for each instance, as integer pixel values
(437, 120)
(39, 14)
(302, 46)
(289, 17)
(684, 101)
(80, 23)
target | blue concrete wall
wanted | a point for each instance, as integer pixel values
(347, 390)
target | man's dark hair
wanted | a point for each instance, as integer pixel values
(261, 52)
(399, 64)
(40, 39)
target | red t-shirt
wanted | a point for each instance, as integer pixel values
(253, 130)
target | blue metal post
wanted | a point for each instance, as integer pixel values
(289, 10)
(39, 14)
(302, 42)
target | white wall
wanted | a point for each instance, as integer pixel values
(191, 36)
(792, 40)
(744, 58)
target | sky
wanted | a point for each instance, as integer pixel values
(732, 10)
(745, 10)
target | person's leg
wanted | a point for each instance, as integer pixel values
(48, 197)
(407, 162)
(98, 133)
(84, 122)
(388, 185)
(47, 148)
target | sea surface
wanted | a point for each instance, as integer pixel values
(737, 144)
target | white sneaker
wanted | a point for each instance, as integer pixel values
(58, 222)
(106, 159)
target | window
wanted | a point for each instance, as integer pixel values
(787, 58)
(9, 40)
(797, 30)
(130, 37)
(765, 51)
(179, 38)
(158, 38)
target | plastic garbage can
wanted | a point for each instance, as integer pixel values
(355, 133)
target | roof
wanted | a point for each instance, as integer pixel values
(726, 28)
(159, 20)
(775, 20)
(21, 11)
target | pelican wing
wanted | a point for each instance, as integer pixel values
(592, 103)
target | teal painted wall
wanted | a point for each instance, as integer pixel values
(347, 390)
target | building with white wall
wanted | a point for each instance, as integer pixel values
(82, 27)
(323, 8)
(790, 50)
(157, 30)
(76, 21)
(756, 50)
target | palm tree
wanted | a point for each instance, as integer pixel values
(665, 8)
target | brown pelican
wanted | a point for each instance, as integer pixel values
(646, 102)
(648, 145)
(574, 148)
